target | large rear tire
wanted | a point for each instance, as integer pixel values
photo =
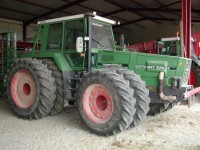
(59, 83)
(30, 88)
(141, 94)
(104, 102)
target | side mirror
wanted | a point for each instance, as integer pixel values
(79, 44)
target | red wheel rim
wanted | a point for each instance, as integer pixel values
(97, 103)
(192, 78)
(23, 89)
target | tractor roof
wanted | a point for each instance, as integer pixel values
(96, 17)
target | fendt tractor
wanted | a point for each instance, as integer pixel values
(173, 46)
(74, 62)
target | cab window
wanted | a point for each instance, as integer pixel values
(73, 29)
(54, 39)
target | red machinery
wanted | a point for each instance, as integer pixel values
(23, 45)
(150, 46)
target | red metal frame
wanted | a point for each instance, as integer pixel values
(190, 93)
(148, 47)
(24, 45)
(186, 18)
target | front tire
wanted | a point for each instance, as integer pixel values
(104, 102)
(30, 88)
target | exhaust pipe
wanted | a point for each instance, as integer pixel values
(161, 93)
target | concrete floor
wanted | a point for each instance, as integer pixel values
(178, 128)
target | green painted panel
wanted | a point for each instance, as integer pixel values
(157, 66)
(133, 61)
(149, 67)
(181, 67)
(113, 57)
(62, 62)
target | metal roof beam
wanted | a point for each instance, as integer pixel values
(112, 2)
(106, 14)
(142, 19)
(170, 4)
(152, 18)
(195, 20)
(54, 11)
(33, 4)
(160, 10)
(115, 12)
(122, 9)
(20, 12)
(129, 22)
(166, 6)
(17, 11)
(10, 18)
(39, 5)
(142, 5)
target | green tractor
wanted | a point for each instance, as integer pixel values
(172, 47)
(74, 61)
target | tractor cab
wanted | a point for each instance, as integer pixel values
(78, 37)
(168, 46)
(67, 33)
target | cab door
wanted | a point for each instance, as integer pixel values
(72, 30)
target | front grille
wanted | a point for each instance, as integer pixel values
(187, 71)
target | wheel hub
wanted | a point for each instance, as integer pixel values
(101, 103)
(23, 89)
(97, 103)
(26, 89)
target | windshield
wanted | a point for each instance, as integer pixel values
(102, 36)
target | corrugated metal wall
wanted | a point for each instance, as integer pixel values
(11, 26)
(7, 25)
